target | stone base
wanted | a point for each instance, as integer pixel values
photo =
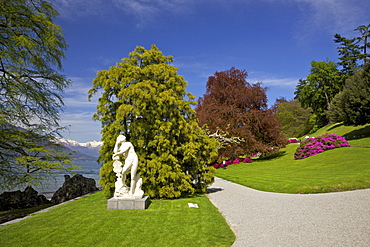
(124, 203)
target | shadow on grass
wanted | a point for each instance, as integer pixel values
(335, 126)
(272, 156)
(358, 134)
(9, 215)
(195, 195)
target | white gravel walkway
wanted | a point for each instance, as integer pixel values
(274, 219)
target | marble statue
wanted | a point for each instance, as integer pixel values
(127, 150)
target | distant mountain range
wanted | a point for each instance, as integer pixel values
(86, 150)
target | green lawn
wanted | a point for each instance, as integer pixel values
(334, 170)
(87, 222)
(348, 131)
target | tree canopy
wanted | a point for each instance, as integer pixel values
(319, 88)
(32, 48)
(352, 51)
(349, 54)
(146, 100)
(365, 40)
(296, 121)
(352, 105)
(31, 52)
(240, 108)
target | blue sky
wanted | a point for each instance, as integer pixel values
(273, 40)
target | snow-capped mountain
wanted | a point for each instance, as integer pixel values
(90, 148)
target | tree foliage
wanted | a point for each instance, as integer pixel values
(349, 54)
(352, 51)
(145, 99)
(352, 105)
(32, 47)
(365, 39)
(319, 88)
(233, 105)
(28, 157)
(296, 121)
(31, 51)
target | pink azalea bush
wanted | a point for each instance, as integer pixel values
(293, 140)
(315, 145)
(230, 162)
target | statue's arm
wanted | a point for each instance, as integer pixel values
(123, 149)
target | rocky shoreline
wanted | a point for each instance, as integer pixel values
(16, 201)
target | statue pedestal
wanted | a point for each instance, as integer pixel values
(128, 203)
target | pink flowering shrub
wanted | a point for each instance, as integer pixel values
(256, 155)
(315, 145)
(293, 140)
(230, 162)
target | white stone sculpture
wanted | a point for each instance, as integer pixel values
(126, 149)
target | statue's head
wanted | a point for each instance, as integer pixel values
(121, 138)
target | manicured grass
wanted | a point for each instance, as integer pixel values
(334, 170)
(87, 222)
(349, 131)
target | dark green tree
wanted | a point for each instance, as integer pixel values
(349, 54)
(146, 100)
(31, 50)
(352, 51)
(319, 88)
(296, 121)
(365, 39)
(352, 105)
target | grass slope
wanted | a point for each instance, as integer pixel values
(334, 170)
(87, 222)
(349, 131)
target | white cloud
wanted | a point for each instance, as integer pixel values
(273, 81)
(77, 94)
(331, 16)
(145, 7)
(81, 126)
(77, 118)
(147, 11)
(72, 9)
(78, 112)
(144, 11)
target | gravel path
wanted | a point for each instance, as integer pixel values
(274, 219)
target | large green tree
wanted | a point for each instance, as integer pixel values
(296, 121)
(352, 105)
(319, 88)
(31, 52)
(240, 108)
(145, 99)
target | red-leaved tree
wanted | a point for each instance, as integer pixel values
(240, 108)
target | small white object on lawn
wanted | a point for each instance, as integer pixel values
(193, 205)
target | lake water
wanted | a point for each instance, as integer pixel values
(90, 169)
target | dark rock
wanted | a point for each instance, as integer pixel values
(17, 200)
(74, 187)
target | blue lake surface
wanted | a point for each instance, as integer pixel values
(90, 169)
